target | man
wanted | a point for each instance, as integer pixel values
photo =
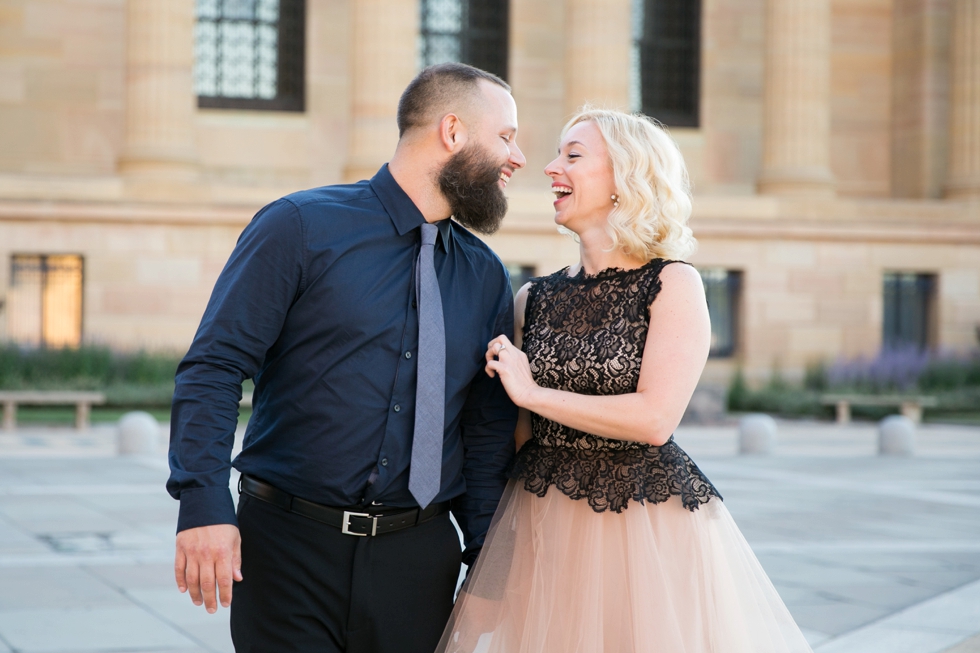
(363, 314)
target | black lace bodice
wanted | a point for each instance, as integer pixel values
(586, 334)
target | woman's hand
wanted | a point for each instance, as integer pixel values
(510, 363)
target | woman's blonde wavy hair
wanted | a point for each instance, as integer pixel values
(651, 182)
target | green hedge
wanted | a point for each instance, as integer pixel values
(129, 379)
(954, 381)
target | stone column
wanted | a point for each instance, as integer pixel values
(920, 97)
(383, 59)
(963, 173)
(597, 54)
(160, 99)
(796, 121)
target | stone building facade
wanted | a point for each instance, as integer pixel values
(834, 151)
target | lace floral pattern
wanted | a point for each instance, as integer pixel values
(586, 334)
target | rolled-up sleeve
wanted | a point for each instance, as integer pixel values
(244, 317)
(487, 428)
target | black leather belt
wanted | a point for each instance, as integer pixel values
(361, 524)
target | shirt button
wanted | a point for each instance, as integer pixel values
(408, 354)
(384, 462)
(397, 408)
(415, 304)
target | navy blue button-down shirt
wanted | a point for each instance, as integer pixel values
(317, 304)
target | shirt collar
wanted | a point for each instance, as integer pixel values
(402, 210)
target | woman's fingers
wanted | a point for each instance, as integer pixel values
(494, 349)
(491, 368)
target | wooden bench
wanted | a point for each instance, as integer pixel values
(909, 405)
(83, 402)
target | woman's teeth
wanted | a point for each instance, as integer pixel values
(561, 191)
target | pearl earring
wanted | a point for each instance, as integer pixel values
(615, 200)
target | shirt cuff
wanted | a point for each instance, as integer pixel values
(206, 506)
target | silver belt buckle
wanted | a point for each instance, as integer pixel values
(345, 528)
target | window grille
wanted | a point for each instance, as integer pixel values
(519, 275)
(908, 308)
(45, 300)
(474, 32)
(250, 54)
(723, 291)
(666, 60)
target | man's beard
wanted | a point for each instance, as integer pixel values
(469, 182)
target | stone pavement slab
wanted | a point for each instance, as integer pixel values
(851, 538)
(93, 629)
(86, 559)
(861, 548)
(971, 645)
(927, 627)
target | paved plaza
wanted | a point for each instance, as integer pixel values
(871, 554)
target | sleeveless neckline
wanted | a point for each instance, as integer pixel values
(605, 273)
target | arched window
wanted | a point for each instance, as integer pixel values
(666, 60)
(250, 54)
(474, 32)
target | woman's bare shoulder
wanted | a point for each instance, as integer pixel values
(681, 280)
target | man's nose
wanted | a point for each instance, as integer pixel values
(517, 159)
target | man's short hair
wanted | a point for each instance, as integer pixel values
(439, 87)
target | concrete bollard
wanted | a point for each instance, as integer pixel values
(139, 434)
(896, 436)
(756, 434)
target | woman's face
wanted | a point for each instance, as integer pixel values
(582, 179)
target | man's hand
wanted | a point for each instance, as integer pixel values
(208, 556)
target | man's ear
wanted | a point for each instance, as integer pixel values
(452, 132)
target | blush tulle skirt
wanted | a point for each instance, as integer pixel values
(556, 577)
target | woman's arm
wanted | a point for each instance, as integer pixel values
(523, 431)
(675, 353)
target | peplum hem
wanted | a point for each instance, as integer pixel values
(609, 478)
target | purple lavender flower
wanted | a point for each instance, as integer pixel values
(894, 368)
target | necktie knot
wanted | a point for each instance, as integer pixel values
(429, 233)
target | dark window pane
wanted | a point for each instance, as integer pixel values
(722, 288)
(469, 31)
(519, 275)
(250, 54)
(908, 300)
(666, 58)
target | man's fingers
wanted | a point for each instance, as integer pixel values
(236, 562)
(208, 586)
(224, 575)
(180, 566)
(193, 575)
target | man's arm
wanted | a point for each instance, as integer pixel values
(487, 428)
(243, 319)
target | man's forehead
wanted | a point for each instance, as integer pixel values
(501, 104)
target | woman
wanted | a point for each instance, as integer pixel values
(609, 538)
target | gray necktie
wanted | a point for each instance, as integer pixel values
(425, 474)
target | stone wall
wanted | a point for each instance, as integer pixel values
(830, 132)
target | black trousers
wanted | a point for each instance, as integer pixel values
(308, 587)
